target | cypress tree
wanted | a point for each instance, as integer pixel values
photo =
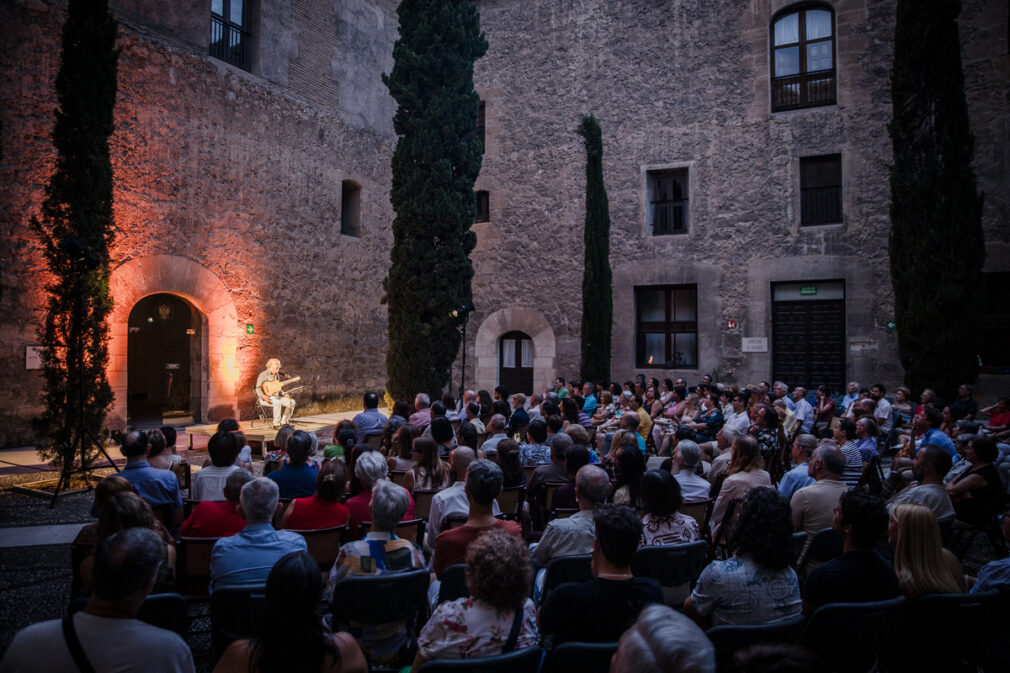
(436, 161)
(597, 299)
(77, 215)
(936, 243)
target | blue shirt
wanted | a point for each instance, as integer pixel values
(295, 481)
(157, 487)
(589, 406)
(993, 575)
(247, 558)
(794, 480)
(534, 454)
(370, 422)
(937, 437)
(867, 448)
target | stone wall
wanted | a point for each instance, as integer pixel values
(220, 171)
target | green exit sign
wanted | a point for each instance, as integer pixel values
(249, 328)
(891, 325)
(808, 289)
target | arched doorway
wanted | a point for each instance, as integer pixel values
(164, 361)
(515, 362)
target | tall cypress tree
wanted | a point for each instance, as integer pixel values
(597, 299)
(936, 242)
(75, 227)
(435, 163)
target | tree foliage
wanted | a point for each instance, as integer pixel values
(77, 213)
(597, 292)
(436, 161)
(936, 243)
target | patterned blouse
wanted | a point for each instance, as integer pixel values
(468, 627)
(674, 529)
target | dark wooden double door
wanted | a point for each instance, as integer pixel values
(808, 343)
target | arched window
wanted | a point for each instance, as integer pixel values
(803, 58)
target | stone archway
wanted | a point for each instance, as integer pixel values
(138, 278)
(515, 319)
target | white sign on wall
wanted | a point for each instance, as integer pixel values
(754, 344)
(33, 357)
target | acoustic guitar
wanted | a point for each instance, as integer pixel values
(271, 388)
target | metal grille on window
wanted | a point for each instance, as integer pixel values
(669, 202)
(821, 189)
(803, 60)
(229, 32)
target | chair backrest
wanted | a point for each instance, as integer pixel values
(396, 476)
(671, 565)
(374, 441)
(528, 472)
(166, 611)
(700, 511)
(184, 473)
(550, 488)
(380, 599)
(728, 639)
(580, 658)
(235, 613)
(520, 661)
(825, 545)
(453, 584)
(78, 552)
(406, 530)
(850, 635)
(797, 542)
(724, 533)
(323, 544)
(995, 652)
(946, 629)
(422, 502)
(453, 521)
(510, 500)
(481, 436)
(576, 568)
(193, 576)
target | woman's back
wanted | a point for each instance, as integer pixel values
(236, 659)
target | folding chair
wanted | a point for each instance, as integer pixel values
(520, 661)
(453, 583)
(580, 658)
(184, 474)
(729, 639)
(671, 565)
(701, 512)
(323, 544)
(422, 502)
(235, 613)
(510, 500)
(576, 568)
(825, 545)
(851, 635)
(193, 574)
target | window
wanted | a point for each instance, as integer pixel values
(483, 207)
(821, 189)
(666, 321)
(480, 125)
(667, 193)
(803, 59)
(350, 208)
(229, 32)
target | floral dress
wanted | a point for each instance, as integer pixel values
(468, 627)
(674, 529)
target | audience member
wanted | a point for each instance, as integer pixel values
(931, 465)
(495, 434)
(401, 452)
(421, 417)
(452, 500)
(845, 435)
(757, 585)
(429, 473)
(483, 485)
(441, 432)
(371, 469)
(497, 617)
(520, 417)
(628, 470)
(291, 637)
(208, 482)
(106, 488)
(535, 451)
(662, 523)
(799, 476)
(663, 641)
(159, 488)
(323, 508)
(574, 534)
(219, 518)
(995, 574)
(157, 456)
(246, 558)
(575, 458)
(746, 472)
(813, 507)
(508, 460)
(921, 563)
(296, 479)
(370, 421)
(686, 465)
(614, 596)
(106, 635)
(977, 491)
(860, 574)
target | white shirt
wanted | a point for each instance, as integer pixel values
(739, 422)
(805, 415)
(208, 483)
(882, 414)
(448, 501)
(692, 487)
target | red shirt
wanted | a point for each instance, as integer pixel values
(314, 513)
(1000, 420)
(213, 519)
(450, 545)
(358, 507)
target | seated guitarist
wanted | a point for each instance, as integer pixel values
(269, 393)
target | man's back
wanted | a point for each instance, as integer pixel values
(613, 604)
(157, 487)
(813, 506)
(295, 481)
(110, 644)
(566, 537)
(451, 545)
(853, 577)
(247, 558)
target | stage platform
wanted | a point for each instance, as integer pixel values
(258, 433)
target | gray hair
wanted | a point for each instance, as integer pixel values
(560, 444)
(593, 484)
(423, 400)
(389, 504)
(259, 500)
(370, 469)
(126, 562)
(807, 442)
(690, 453)
(484, 480)
(665, 641)
(831, 458)
(234, 483)
(497, 422)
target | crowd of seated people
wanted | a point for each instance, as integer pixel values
(620, 462)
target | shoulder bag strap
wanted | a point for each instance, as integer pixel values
(517, 624)
(74, 645)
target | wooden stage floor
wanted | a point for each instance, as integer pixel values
(257, 432)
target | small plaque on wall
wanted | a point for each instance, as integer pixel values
(754, 344)
(33, 357)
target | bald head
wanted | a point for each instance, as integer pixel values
(460, 459)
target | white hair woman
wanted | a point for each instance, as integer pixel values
(663, 641)
(371, 469)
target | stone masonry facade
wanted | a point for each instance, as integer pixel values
(228, 182)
